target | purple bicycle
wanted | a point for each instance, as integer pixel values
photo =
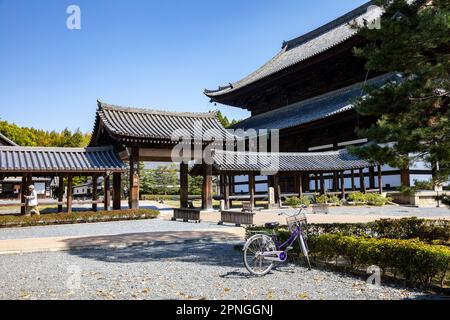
(262, 251)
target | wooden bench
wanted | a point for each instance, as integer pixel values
(320, 209)
(186, 214)
(238, 218)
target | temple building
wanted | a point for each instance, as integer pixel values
(306, 93)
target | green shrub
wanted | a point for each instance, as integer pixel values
(297, 202)
(322, 199)
(373, 199)
(357, 197)
(76, 217)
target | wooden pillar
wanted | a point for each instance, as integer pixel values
(94, 192)
(117, 186)
(372, 178)
(60, 192)
(184, 188)
(230, 188)
(23, 193)
(362, 183)
(69, 193)
(405, 178)
(316, 183)
(277, 189)
(380, 179)
(251, 189)
(133, 200)
(207, 187)
(335, 181)
(226, 190)
(300, 185)
(322, 184)
(305, 180)
(106, 192)
(353, 180)
(343, 185)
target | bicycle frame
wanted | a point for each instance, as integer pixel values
(289, 242)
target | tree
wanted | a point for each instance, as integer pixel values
(413, 113)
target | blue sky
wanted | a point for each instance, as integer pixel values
(155, 54)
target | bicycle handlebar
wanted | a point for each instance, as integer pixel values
(303, 207)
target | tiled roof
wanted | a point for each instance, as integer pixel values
(5, 141)
(231, 161)
(58, 160)
(307, 46)
(132, 124)
(313, 109)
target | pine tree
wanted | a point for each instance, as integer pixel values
(413, 113)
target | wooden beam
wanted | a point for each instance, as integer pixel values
(226, 195)
(184, 182)
(133, 200)
(60, 192)
(106, 190)
(207, 187)
(94, 192)
(362, 182)
(343, 185)
(69, 193)
(117, 193)
(251, 188)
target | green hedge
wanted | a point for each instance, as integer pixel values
(7, 221)
(373, 199)
(413, 260)
(156, 197)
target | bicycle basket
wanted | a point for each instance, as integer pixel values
(296, 220)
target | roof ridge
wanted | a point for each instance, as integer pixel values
(2, 136)
(346, 18)
(333, 152)
(103, 105)
(60, 149)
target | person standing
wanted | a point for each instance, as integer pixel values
(32, 202)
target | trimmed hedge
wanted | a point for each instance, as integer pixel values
(8, 221)
(413, 260)
(373, 199)
(156, 197)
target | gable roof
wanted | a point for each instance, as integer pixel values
(147, 125)
(58, 160)
(310, 110)
(307, 46)
(239, 161)
(5, 141)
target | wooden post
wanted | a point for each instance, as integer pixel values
(231, 188)
(133, 200)
(94, 192)
(117, 186)
(322, 184)
(69, 193)
(207, 187)
(371, 178)
(335, 181)
(300, 185)
(353, 180)
(277, 189)
(316, 183)
(106, 192)
(306, 182)
(362, 182)
(251, 189)
(343, 185)
(405, 178)
(23, 193)
(226, 187)
(184, 189)
(380, 179)
(60, 192)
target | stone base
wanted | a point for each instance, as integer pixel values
(421, 199)
(271, 206)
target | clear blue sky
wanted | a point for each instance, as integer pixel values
(156, 54)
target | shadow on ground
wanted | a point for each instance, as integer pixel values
(208, 248)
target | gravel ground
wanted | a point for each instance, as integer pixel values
(103, 228)
(186, 270)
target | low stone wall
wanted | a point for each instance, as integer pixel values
(421, 199)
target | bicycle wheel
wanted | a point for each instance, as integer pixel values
(304, 247)
(253, 258)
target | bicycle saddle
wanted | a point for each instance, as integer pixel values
(272, 225)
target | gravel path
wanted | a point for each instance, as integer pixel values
(197, 270)
(103, 228)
